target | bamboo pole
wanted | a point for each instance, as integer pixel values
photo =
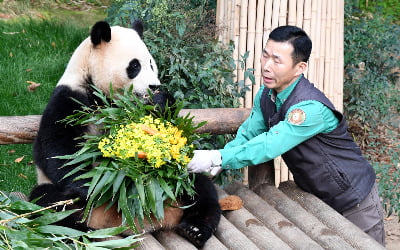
(258, 46)
(307, 21)
(229, 33)
(275, 14)
(236, 37)
(267, 21)
(242, 41)
(334, 42)
(313, 36)
(220, 19)
(316, 43)
(328, 38)
(283, 13)
(292, 15)
(251, 34)
(300, 13)
(341, 55)
(322, 45)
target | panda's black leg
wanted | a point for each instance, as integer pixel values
(48, 194)
(200, 220)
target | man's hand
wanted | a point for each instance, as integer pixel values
(206, 161)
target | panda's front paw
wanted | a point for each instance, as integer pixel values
(197, 235)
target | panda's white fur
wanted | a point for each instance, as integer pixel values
(119, 56)
(100, 63)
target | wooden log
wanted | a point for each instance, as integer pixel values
(149, 243)
(173, 241)
(253, 228)
(274, 220)
(18, 129)
(231, 237)
(352, 234)
(309, 224)
(214, 244)
(23, 129)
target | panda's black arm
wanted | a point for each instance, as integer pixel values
(56, 139)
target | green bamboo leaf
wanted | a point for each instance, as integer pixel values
(166, 188)
(126, 242)
(107, 232)
(78, 168)
(24, 206)
(83, 157)
(51, 218)
(126, 211)
(59, 230)
(96, 178)
(150, 189)
(118, 181)
(100, 185)
(141, 192)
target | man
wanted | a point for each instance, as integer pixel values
(292, 118)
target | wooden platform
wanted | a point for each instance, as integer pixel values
(284, 218)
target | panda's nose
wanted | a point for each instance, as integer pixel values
(154, 87)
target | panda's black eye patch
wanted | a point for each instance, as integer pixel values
(133, 68)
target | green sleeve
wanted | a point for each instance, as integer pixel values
(252, 126)
(280, 138)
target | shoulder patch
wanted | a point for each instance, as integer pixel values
(297, 116)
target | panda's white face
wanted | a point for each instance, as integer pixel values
(123, 61)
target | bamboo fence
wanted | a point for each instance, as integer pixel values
(248, 23)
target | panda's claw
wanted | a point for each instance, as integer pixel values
(196, 235)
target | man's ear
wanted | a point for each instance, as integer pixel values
(301, 68)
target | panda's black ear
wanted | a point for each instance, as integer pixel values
(138, 26)
(100, 31)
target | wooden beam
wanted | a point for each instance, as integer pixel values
(23, 129)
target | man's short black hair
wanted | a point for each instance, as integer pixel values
(297, 38)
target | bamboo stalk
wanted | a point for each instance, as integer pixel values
(251, 33)
(229, 18)
(242, 41)
(341, 55)
(283, 13)
(312, 71)
(236, 37)
(322, 45)
(328, 50)
(220, 20)
(316, 43)
(258, 46)
(334, 46)
(267, 21)
(300, 13)
(292, 15)
(307, 21)
(275, 14)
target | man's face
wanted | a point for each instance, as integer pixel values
(278, 69)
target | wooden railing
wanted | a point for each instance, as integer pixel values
(23, 129)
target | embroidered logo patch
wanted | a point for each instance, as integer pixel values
(297, 116)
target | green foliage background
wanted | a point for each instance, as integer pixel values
(372, 89)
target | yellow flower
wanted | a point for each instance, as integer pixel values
(158, 140)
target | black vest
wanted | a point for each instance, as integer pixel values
(330, 165)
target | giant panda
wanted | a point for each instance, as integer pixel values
(119, 56)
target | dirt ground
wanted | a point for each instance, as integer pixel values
(392, 228)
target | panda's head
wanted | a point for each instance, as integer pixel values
(120, 56)
(114, 55)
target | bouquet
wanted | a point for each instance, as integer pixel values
(138, 157)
